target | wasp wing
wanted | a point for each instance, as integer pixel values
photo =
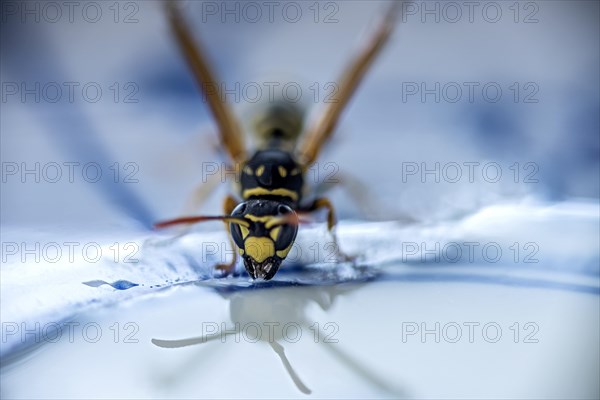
(317, 135)
(229, 129)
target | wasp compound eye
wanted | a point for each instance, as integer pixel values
(240, 209)
(283, 209)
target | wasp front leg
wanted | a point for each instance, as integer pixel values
(228, 206)
(321, 203)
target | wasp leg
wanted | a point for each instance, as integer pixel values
(200, 194)
(228, 206)
(280, 351)
(355, 188)
(229, 128)
(310, 147)
(331, 222)
(363, 371)
(359, 192)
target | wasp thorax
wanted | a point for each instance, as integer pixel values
(272, 174)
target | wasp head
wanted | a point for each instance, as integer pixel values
(267, 236)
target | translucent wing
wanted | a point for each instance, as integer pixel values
(229, 128)
(317, 135)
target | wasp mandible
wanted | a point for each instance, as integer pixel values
(263, 226)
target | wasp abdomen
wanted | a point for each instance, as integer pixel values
(279, 126)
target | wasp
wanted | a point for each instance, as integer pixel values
(263, 225)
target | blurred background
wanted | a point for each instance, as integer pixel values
(478, 122)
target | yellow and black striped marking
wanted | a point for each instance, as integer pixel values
(265, 224)
(272, 174)
(269, 236)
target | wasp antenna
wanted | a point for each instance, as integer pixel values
(197, 219)
(239, 221)
(290, 219)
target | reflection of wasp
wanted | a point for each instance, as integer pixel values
(273, 310)
(264, 225)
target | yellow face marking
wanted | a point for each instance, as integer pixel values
(248, 170)
(274, 233)
(260, 170)
(282, 171)
(241, 251)
(258, 191)
(245, 231)
(259, 248)
(295, 171)
(283, 253)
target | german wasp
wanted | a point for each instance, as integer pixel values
(263, 226)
